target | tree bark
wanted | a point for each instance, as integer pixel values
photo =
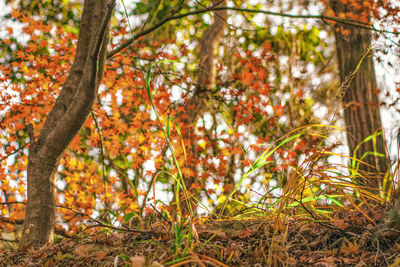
(64, 121)
(360, 100)
(198, 103)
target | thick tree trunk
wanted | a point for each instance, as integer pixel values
(198, 104)
(64, 121)
(360, 97)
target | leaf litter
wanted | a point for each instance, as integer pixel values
(348, 239)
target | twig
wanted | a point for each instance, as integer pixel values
(328, 225)
(11, 221)
(65, 234)
(162, 216)
(58, 206)
(350, 22)
(105, 180)
(8, 240)
(14, 152)
(100, 224)
(12, 202)
(60, 232)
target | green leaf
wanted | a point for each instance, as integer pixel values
(128, 217)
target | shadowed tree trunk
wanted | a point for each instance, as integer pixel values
(198, 104)
(64, 121)
(360, 97)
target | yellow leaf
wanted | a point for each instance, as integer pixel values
(141, 138)
(203, 145)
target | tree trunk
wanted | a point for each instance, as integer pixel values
(64, 121)
(198, 104)
(360, 97)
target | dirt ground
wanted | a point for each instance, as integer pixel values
(350, 239)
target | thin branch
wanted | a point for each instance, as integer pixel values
(20, 149)
(103, 29)
(58, 206)
(12, 202)
(58, 231)
(327, 225)
(100, 224)
(8, 240)
(350, 22)
(11, 221)
(105, 180)
(63, 233)
(162, 215)
(26, 104)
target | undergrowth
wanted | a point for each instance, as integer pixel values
(319, 207)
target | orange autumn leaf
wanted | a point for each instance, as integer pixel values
(247, 78)
(279, 110)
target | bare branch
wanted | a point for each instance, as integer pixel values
(354, 23)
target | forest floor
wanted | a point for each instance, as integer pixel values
(351, 238)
